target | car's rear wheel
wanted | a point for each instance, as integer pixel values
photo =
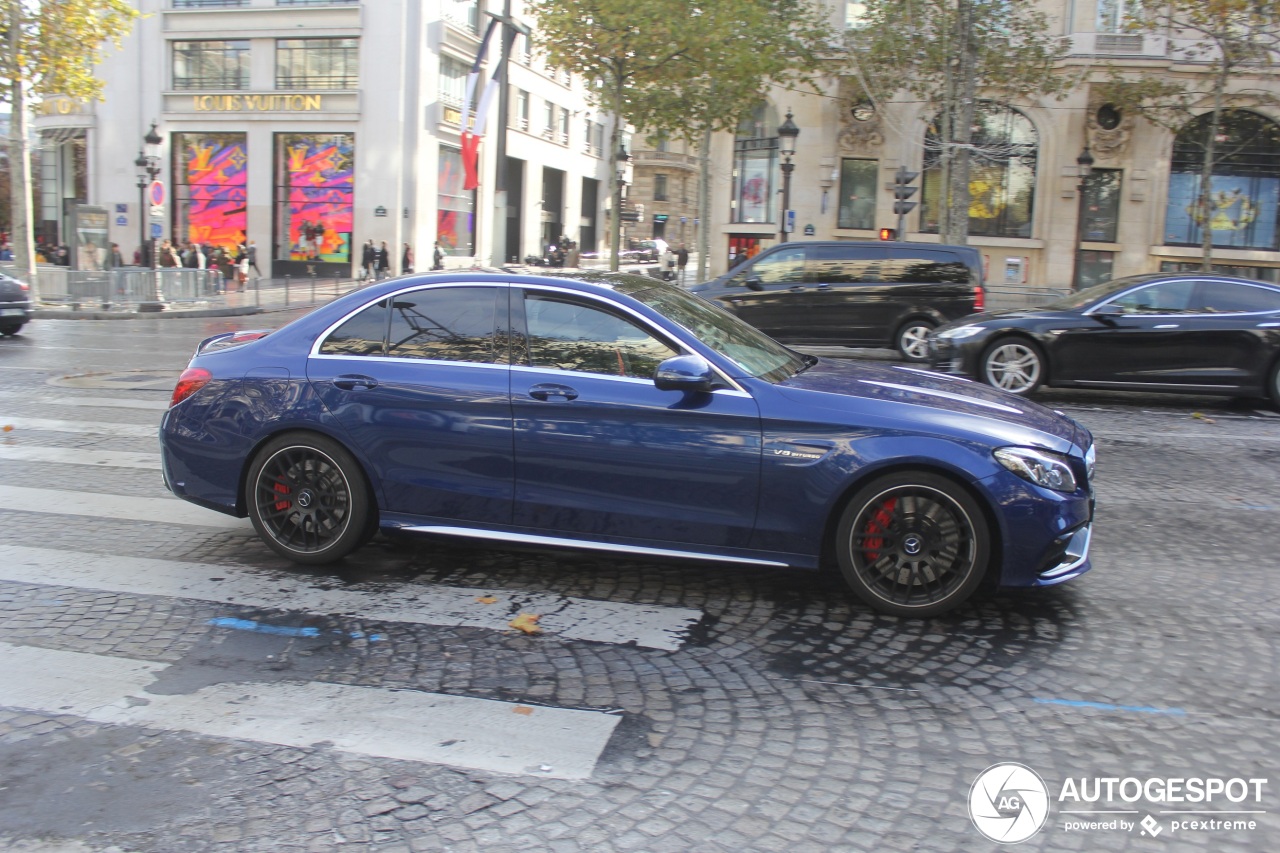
(913, 340)
(10, 328)
(1273, 386)
(307, 499)
(913, 543)
(1015, 365)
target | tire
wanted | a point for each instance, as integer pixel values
(10, 329)
(913, 543)
(1273, 385)
(307, 499)
(912, 340)
(1015, 365)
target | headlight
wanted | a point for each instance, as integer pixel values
(960, 333)
(1041, 467)
(1090, 461)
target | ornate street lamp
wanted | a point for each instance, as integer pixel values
(787, 134)
(148, 167)
(1085, 167)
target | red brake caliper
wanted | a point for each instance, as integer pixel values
(281, 489)
(878, 524)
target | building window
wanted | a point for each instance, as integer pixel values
(455, 207)
(317, 63)
(549, 121)
(857, 194)
(595, 138)
(453, 81)
(1101, 206)
(659, 187)
(210, 173)
(462, 13)
(1116, 16)
(565, 117)
(309, 3)
(211, 64)
(522, 109)
(208, 4)
(1244, 190)
(755, 154)
(314, 196)
(1002, 174)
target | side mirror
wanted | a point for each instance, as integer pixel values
(684, 373)
(753, 282)
(1108, 316)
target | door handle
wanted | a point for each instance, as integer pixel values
(547, 390)
(351, 382)
(796, 287)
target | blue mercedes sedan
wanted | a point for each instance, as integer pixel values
(617, 413)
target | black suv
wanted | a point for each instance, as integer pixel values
(860, 294)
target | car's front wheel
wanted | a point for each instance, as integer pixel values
(307, 498)
(913, 543)
(1274, 385)
(1015, 365)
(913, 340)
(10, 328)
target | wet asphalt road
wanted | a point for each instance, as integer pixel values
(786, 717)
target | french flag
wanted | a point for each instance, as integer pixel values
(471, 136)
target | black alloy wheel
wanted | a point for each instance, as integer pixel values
(308, 500)
(10, 328)
(913, 543)
(1273, 385)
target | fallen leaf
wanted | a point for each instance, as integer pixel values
(487, 599)
(1200, 417)
(523, 710)
(527, 622)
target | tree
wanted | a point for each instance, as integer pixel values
(50, 48)
(670, 66)
(1231, 40)
(947, 54)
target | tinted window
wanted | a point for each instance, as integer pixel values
(785, 266)
(444, 324)
(926, 268)
(363, 334)
(841, 265)
(1225, 297)
(567, 335)
(1167, 297)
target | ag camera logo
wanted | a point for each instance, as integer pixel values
(1008, 803)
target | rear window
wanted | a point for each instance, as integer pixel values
(927, 268)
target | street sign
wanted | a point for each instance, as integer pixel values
(790, 223)
(809, 230)
(156, 194)
(156, 229)
(122, 220)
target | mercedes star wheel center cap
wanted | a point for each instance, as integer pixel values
(304, 498)
(912, 544)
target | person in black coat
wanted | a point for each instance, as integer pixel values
(383, 260)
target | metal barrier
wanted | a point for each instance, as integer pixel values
(125, 286)
(1020, 296)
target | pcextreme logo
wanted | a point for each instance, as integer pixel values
(1009, 803)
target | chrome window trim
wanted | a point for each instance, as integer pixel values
(385, 359)
(323, 336)
(1115, 296)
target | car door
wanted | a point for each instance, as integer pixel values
(419, 385)
(602, 453)
(771, 293)
(847, 300)
(1150, 336)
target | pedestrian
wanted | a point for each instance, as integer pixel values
(253, 260)
(368, 260)
(437, 257)
(382, 259)
(682, 261)
(572, 257)
(227, 265)
(406, 260)
(668, 264)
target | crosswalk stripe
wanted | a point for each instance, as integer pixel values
(123, 507)
(648, 626)
(408, 725)
(20, 423)
(68, 456)
(152, 405)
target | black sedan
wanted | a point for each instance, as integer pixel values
(1182, 333)
(15, 305)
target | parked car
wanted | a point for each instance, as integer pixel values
(15, 304)
(845, 293)
(622, 414)
(645, 251)
(1186, 333)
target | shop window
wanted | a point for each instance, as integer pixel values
(317, 63)
(455, 207)
(210, 176)
(858, 194)
(755, 155)
(1002, 174)
(314, 196)
(211, 64)
(1101, 206)
(1244, 189)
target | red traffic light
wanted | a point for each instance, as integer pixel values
(888, 233)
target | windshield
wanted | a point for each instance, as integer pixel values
(755, 352)
(1092, 294)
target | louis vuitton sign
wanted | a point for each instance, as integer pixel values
(257, 103)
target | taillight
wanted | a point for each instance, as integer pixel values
(979, 299)
(191, 381)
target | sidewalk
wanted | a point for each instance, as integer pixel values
(266, 294)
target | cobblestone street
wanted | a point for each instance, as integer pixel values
(775, 712)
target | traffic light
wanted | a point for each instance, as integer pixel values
(903, 190)
(888, 234)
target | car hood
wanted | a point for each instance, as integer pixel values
(949, 398)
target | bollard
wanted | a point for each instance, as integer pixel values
(286, 291)
(313, 288)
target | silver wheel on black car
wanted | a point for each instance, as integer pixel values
(913, 544)
(913, 340)
(307, 498)
(1013, 364)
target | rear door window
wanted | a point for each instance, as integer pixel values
(445, 324)
(926, 268)
(1228, 297)
(846, 265)
(362, 334)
